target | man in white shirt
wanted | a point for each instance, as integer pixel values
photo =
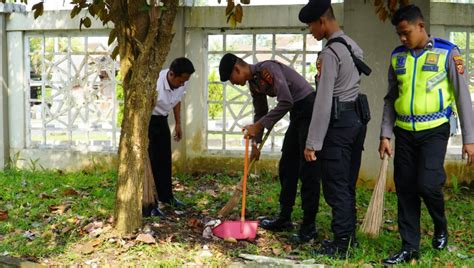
(171, 86)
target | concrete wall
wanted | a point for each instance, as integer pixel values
(4, 142)
(191, 27)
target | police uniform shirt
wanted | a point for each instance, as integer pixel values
(456, 75)
(275, 80)
(167, 97)
(337, 77)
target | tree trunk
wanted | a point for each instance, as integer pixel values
(150, 196)
(144, 40)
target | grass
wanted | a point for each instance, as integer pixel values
(37, 230)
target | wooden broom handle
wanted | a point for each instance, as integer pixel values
(244, 184)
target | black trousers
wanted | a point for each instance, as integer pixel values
(293, 165)
(159, 150)
(419, 173)
(340, 162)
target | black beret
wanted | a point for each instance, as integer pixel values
(313, 10)
(226, 66)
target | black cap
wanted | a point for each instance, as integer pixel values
(226, 66)
(313, 10)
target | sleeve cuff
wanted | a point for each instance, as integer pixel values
(468, 139)
(314, 146)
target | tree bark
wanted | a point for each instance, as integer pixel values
(144, 39)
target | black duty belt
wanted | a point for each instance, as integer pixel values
(347, 106)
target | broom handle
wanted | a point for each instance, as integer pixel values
(244, 186)
(383, 169)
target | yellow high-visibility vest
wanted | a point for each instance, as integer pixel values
(426, 97)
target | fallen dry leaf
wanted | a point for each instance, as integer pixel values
(86, 249)
(230, 240)
(70, 192)
(287, 248)
(45, 196)
(146, 238)
(392, 228)
(276, 251)
(195, 223)
(3, 215)
(60, 209)
(66, 229)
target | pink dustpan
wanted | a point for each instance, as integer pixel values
(236, 229)
(239, 229)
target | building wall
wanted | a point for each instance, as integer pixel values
(357, 18)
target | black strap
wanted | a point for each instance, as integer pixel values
(361, 66)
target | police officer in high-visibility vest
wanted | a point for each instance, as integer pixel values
(337, 131)
(427, 83)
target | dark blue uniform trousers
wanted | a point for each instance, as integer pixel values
(340, 161)
(419, 173)
(293, 165)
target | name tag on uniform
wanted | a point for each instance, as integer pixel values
(400, 71)
(430, 68)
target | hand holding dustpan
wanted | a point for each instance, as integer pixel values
(239, 229)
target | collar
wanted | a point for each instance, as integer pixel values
(336, 34)
(430, 44)
(253, 69)
(166, 83)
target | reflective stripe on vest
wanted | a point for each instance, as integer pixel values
(424, 89)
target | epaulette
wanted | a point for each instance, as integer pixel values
(445, 44)
(399, 49)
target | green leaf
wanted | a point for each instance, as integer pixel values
(112, 36)
(38, 8)
(87, 22)
(115, 52)
(94, 9)
(76, 10)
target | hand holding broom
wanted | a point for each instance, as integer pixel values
(374, 216)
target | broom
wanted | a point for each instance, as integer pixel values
(235, 198)
(374, 216)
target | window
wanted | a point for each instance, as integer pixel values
(73, 93)
(230, 107)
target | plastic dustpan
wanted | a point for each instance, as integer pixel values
(236, 229)
(239, 229)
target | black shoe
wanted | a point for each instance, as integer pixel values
(176, 203)
(305, 234)
(277, 225)
(156, 212)
(440, 241)
(331, 249)
(402, 256)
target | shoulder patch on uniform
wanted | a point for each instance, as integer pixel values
(319, 64)
(459, 64)
(399, 49)
(267, 76)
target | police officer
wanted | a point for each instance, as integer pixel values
(294, 95)
(336, 134)
(426, 79)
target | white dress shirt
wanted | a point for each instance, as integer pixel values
(167, 97)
